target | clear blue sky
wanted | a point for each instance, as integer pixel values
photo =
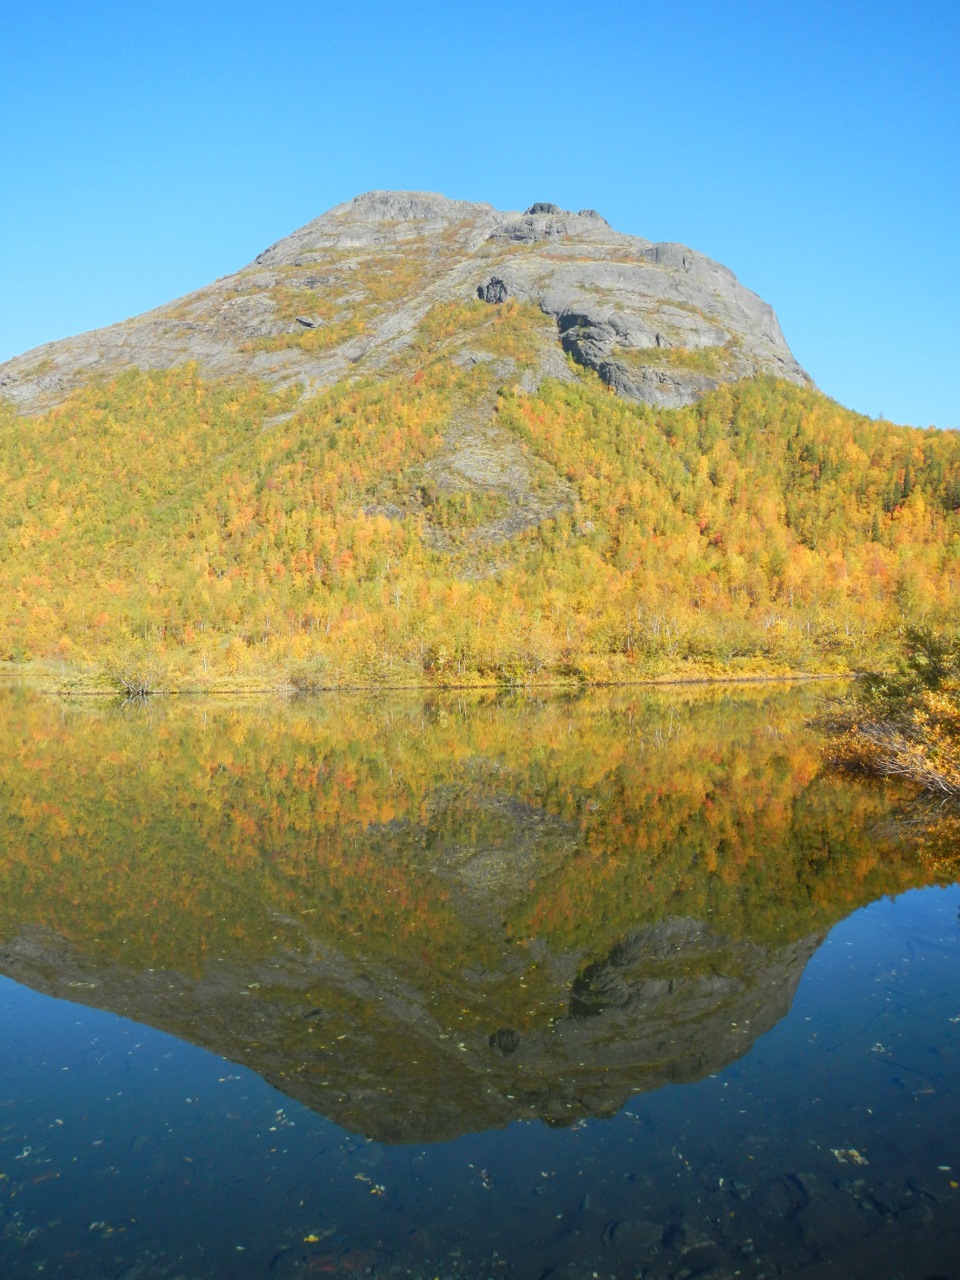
(812, 147)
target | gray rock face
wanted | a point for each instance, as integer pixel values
(661, 387)
(495, 290)
(658, 322)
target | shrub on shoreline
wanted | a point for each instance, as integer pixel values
(906, 723)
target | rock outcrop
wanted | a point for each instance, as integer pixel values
(659, 323)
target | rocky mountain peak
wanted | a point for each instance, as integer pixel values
(348, 292)
(544, 221)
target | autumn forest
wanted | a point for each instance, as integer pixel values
(183, 533)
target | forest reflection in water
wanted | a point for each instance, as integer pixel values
(428, 919)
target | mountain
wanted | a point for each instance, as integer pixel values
(424, 441)
(347, 292)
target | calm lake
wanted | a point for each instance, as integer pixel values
(613, 985)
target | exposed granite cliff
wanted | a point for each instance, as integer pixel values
(658, 322)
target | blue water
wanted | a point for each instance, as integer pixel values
(832, 1148)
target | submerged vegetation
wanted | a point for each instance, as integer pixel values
(441, 524)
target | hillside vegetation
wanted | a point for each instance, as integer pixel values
(439, 524)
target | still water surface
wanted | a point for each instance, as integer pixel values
(619, 985)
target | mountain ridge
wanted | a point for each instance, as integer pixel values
(615, 299)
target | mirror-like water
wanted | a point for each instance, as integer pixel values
(616, 985)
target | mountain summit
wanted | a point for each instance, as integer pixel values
(346, 293)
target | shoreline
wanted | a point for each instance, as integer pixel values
(289, 690)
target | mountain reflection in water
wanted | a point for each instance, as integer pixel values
(429, 918)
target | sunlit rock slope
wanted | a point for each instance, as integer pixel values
(347, 292)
